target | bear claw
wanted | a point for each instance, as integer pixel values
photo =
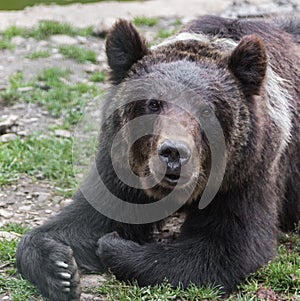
(65, 275)
(61, 264)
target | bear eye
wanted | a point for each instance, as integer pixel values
(154, 105)
(206, 113)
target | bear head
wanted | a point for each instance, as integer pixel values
(184, 98)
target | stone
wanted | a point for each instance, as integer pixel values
(89, 297)
(101, 58)
(8, 137)
(23, 133)
(43, 43)
(25, 89)
(17, 40)
(91, 68)
(6, 122)
(5, 213)
(43, 196)
(61, 39)
(63, 133)
(81, 39)
(66, 202)
(90, 281)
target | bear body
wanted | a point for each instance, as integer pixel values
(246, 74)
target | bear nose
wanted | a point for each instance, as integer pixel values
(174, 153)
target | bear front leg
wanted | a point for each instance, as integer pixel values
(202, 260)
(180, 263)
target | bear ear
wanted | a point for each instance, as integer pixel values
(124, 47)
(248, 62)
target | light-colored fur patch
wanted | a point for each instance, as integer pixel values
(279, 105)
(192, 36)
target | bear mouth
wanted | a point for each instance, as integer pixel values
(171, 179)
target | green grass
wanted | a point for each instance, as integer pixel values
(49, 156)
(177, 23)
(165, 33)
(61, 100)
(45, 29)
(53, 76)
(282, 274)
(14, 31)
(38, 54)
(19, 289)
(10, 282)
(98, 77)
(144, 21)
(16, 228)
(6, 44)
(121, 291)
(80, 54)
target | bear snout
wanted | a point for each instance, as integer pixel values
(173, 154)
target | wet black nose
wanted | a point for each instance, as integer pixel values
(174, 154)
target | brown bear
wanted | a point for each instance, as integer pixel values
(240, 76)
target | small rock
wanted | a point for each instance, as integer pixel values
(20, 193)
(266, 294)
(103, 27)
(28, 47)
(5, 213)
(63, 133)
(43, 196)
(101, 58)
(48, 211)
(7, 122)
(64, 81)
(91, 68)
(40, 176)
(56, 199)
(57, 56)
(82, 40)
(90, 281)
(66, 202)
(8, 137)
(23, 133)
(31, 120)
(61, 39)
(43, 43)
(25, 208)
(25, 89)
(18, 40)
(89, 297)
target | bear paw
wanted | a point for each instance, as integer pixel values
(107, 243)
(63, 281)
